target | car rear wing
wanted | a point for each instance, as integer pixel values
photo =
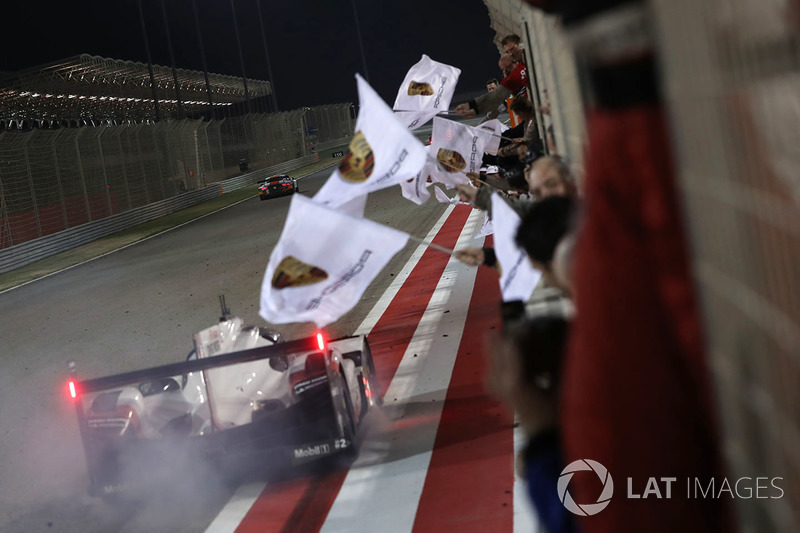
(80, 387)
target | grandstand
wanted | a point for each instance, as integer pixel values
(93, 90)
(86, 138)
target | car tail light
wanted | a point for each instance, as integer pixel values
(320, 342)
(73, 391)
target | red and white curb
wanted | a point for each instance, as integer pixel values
(407, 456)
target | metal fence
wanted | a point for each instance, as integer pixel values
(732, 77)
(52, 180)
(22, 254)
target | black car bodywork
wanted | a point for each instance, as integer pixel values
(278, 185)
(319, 421)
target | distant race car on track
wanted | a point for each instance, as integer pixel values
(243, 397)
(277, 186)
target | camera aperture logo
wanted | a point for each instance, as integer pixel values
(585, 509)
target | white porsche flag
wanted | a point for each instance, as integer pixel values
(487, 228)
(517, 277)
(492, 131)
(416, 188)
(382, 153)
(323, 263)
(442, 197)
(458, 149)
(426, 90)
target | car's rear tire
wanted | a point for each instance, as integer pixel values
(262, 198)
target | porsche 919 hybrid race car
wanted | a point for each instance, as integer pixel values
(277, 186)
(241, 398)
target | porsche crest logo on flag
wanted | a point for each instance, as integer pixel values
(359, 162)
(420, 88)
(291, 272)
(451, 160)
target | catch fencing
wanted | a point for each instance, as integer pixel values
(731, 71)
(53, 180)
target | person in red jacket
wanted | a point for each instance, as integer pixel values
(515, 81)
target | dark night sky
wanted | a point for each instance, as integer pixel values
(312, 43)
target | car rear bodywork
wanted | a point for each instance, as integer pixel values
(239, 400)
(279, 185)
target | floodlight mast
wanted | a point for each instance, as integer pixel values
(149, 63)
(273, 97)
(360, 41)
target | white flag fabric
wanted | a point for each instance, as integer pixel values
(416, 188)
(487, 228)
(354, 206)
(442, 197)
(382, 153)
(426, 90)
(517, 277)
(323, 263)
(415, 119)
(458, 148)
(491, 130)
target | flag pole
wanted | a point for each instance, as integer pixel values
(431, 245)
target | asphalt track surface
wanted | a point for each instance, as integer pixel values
(140, 306)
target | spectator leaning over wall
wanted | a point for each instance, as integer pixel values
(524, 373)
(514, 82)
(546, 177)
(523, 108)
(510, 44)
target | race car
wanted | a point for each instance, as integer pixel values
(242, 398)
(277, 186)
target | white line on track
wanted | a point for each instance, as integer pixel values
(134, 243)
(246, 495)
(391, 291)
(234, 512)
(385, 484)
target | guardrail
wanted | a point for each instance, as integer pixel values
(36, 249)
(333, 143)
